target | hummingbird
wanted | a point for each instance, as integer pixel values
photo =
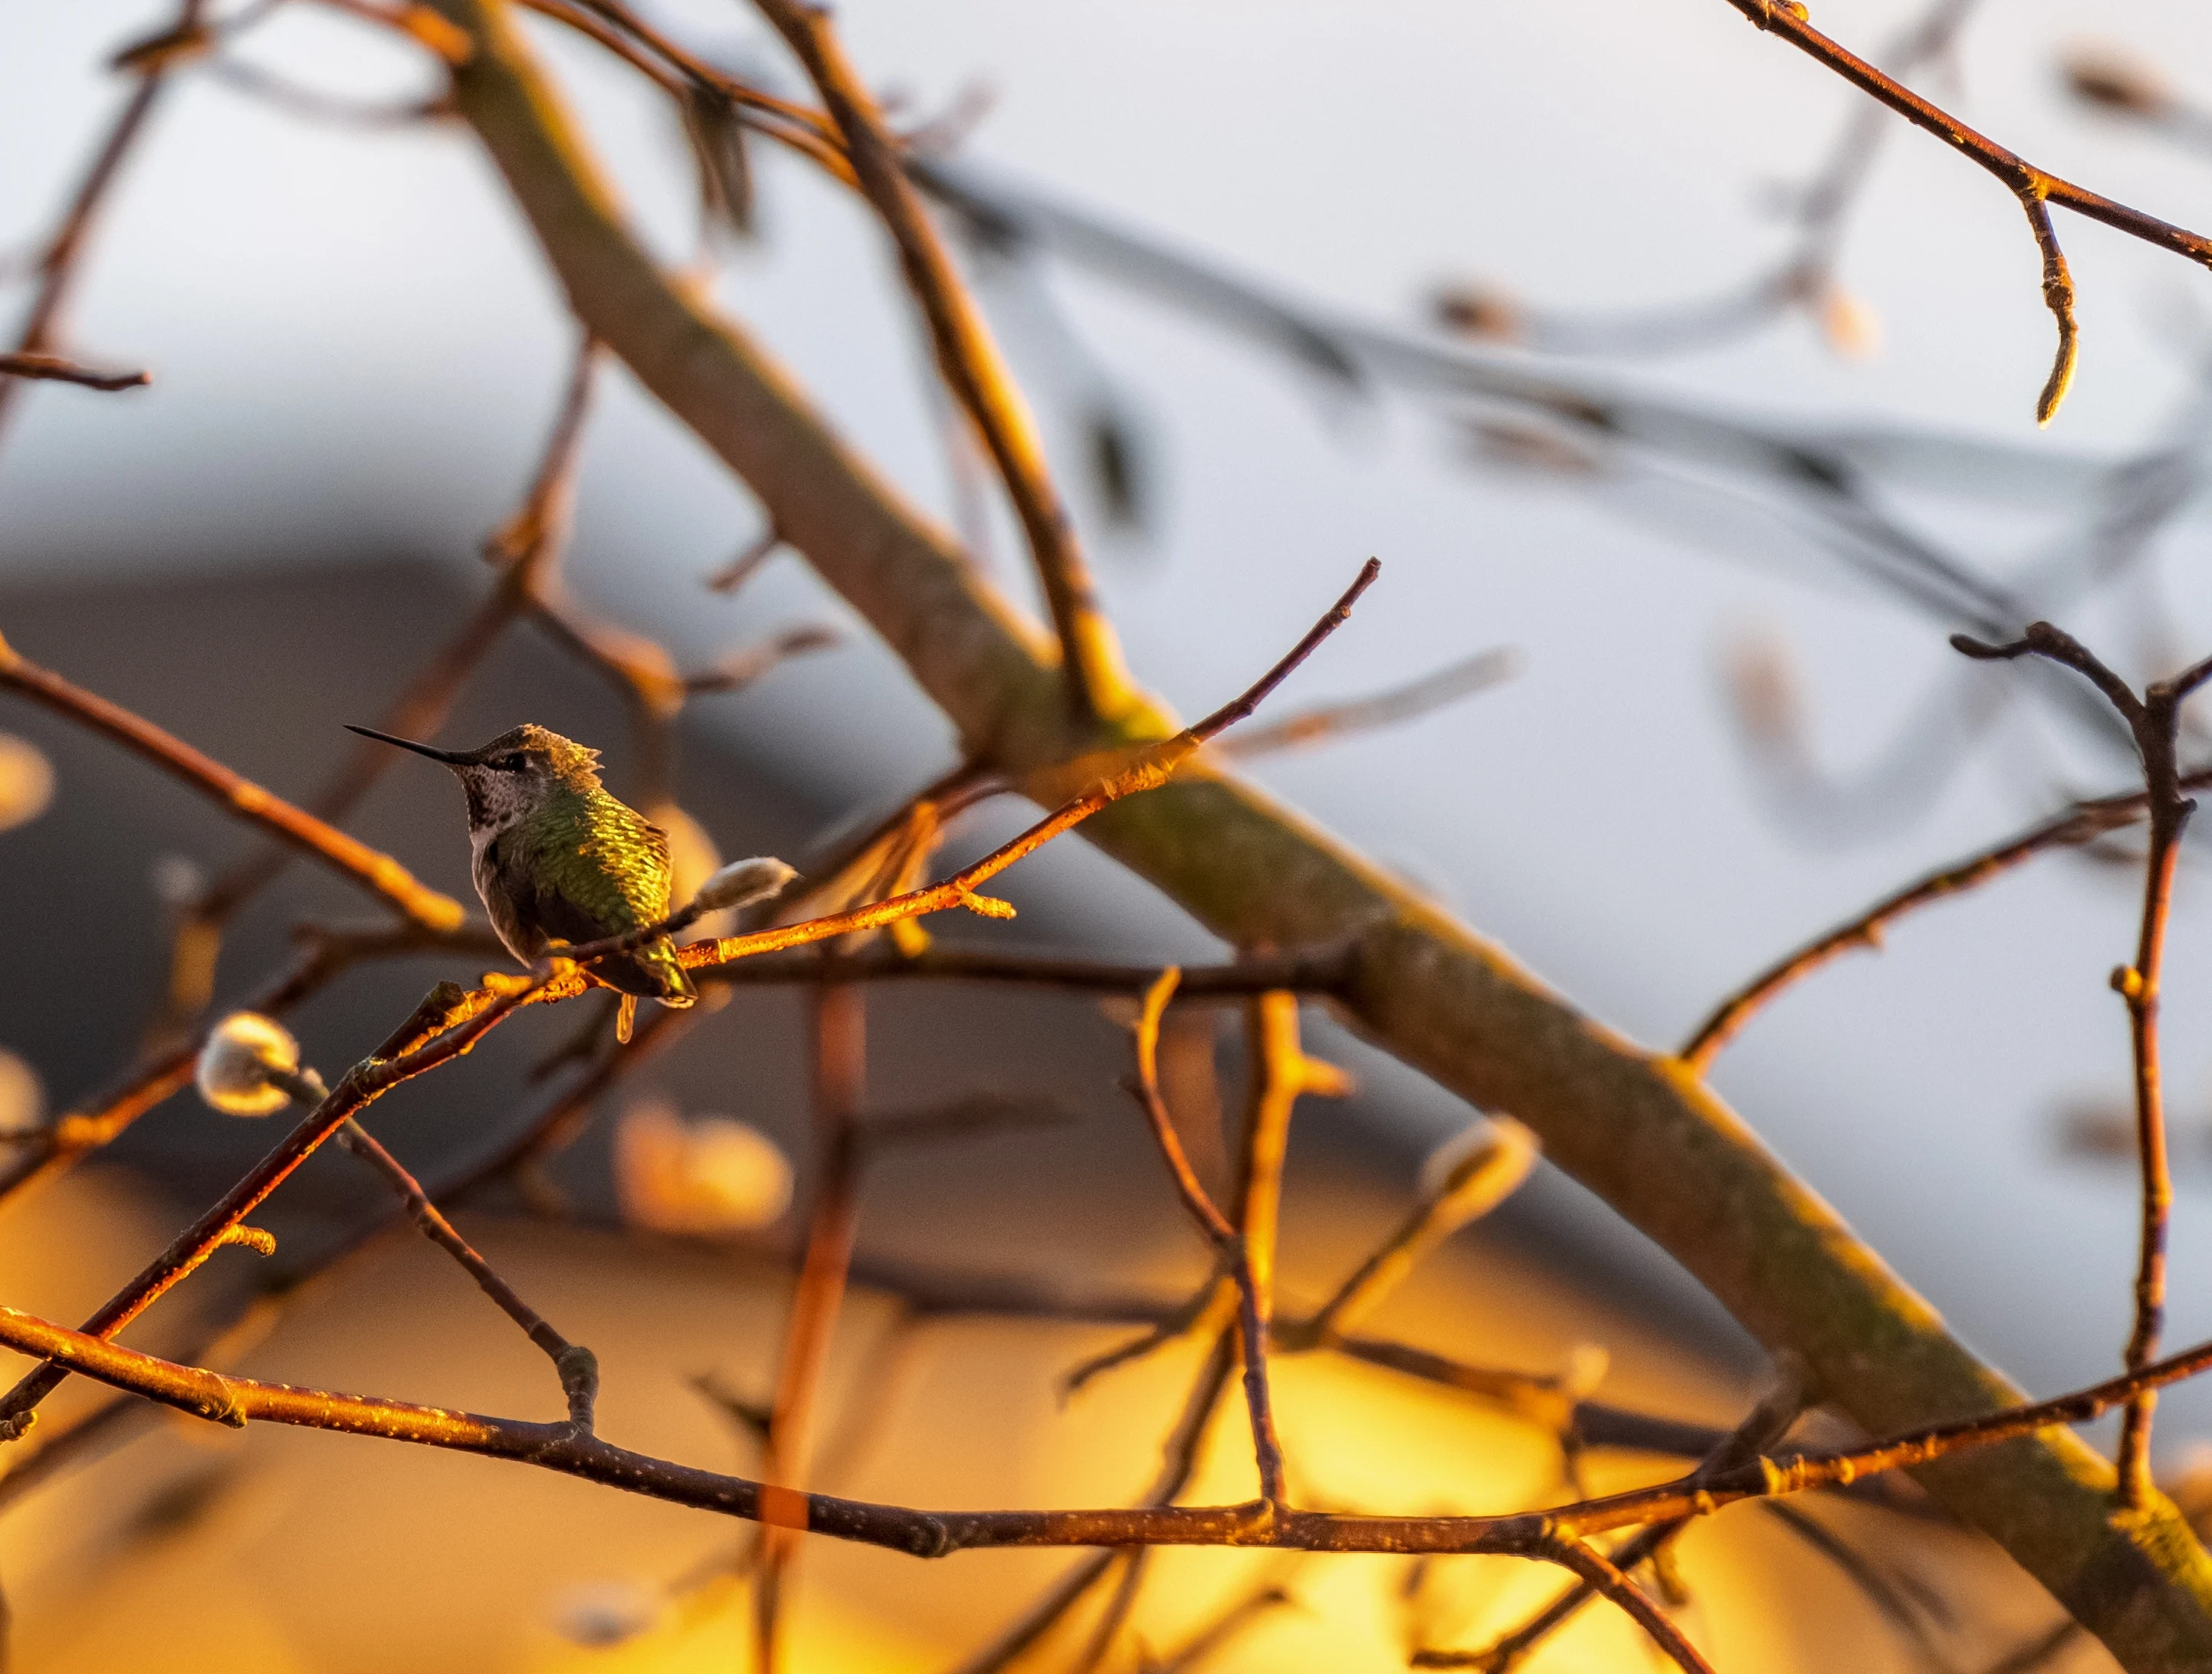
(558, 860)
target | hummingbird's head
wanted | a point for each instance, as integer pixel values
(508, 778)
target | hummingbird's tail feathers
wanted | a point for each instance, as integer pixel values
(673, 982)
(651, 972)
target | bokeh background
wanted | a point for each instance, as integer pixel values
(356, 350)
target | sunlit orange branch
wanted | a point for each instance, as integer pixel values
(562, 1447)
(238, 796)
(52, 1148)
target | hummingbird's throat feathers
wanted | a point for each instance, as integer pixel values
(499, 798)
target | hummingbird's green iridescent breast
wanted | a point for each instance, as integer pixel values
(601, 855)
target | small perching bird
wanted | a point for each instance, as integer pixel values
(558, 860)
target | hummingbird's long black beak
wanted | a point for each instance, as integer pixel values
(445, 756)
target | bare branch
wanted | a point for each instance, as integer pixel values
(1385, 709)
(2154, 719)
(2084, 822)
(2031, 185)
(59, 262)
(55, 368)
(238, 796)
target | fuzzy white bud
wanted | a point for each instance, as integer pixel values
(741, 883)
(235, 1063)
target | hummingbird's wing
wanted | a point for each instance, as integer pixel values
(600, 868)
(599, 864)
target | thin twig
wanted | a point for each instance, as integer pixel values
(1601, 1576)
(55, 369)
(1229, 1240)
(59, 263)
(2155, 720)
(2083, 823)
(968, 357)
(578, 1370)
(747, 564)
(2031, 185)
(1384, 708)
(2058, 297)
(238, 796)
(742, 668)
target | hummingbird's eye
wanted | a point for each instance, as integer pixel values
(513, 762)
